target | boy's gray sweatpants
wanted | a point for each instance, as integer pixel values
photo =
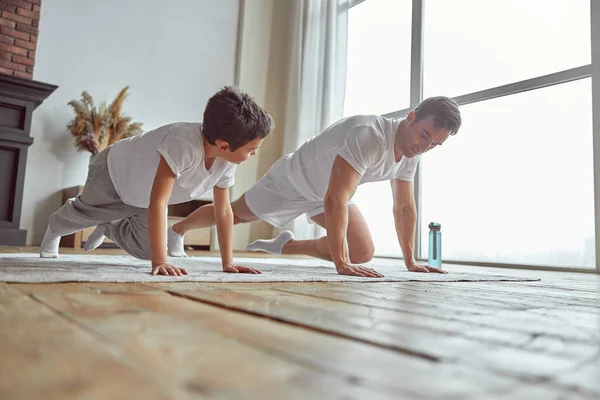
(100, 203)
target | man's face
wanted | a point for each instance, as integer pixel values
(421, 136)
(240, 155)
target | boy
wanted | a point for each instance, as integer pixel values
(131, 183)
(320, 178)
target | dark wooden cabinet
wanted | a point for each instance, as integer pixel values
(18, 98)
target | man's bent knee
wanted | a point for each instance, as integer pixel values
(362, 255)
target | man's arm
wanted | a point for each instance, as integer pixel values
(405, 218)
(157, 220)
(342, 185)
(224, 220)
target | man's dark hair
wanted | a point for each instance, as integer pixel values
(444, 111)
(234, 117)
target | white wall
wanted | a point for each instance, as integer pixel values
(173, 55)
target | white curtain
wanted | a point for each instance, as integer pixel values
(317, 79)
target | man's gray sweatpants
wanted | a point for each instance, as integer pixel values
(100, 203)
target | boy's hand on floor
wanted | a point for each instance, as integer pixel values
(168, 269)
(239, 269)
(358, 270)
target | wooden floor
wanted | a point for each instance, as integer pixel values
(500, 340)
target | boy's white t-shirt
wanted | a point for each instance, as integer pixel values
(132, 164)
(366, 142)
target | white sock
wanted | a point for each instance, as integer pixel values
(96, 238)
(273, 246)
(175, 243)
(49, 247)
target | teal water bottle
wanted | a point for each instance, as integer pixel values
(435, 245)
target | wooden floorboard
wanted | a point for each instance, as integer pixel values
(42, 355)
(421, 340)
(191, 357)
(435, 339)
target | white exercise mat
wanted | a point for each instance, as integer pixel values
(30, 268)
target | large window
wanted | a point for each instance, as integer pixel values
(471, 45)
(378, 82)
(516, 184)
(378, 76)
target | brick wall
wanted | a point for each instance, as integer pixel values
(19, 21)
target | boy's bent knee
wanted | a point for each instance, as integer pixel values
(241, 212)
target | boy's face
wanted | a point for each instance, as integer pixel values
(421, 136)
(240, 155)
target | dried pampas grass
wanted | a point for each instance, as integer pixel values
(96, 128)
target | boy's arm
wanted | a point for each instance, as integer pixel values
(342, 184)
(157, 220)
(405, 218)
(224, 220)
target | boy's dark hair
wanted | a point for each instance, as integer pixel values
(234, 117)
(444, 111)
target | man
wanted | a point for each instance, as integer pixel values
(320, 178)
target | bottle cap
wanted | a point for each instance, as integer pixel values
(434, 226)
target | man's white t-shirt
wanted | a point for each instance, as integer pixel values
(366, 142)
(132, 164)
